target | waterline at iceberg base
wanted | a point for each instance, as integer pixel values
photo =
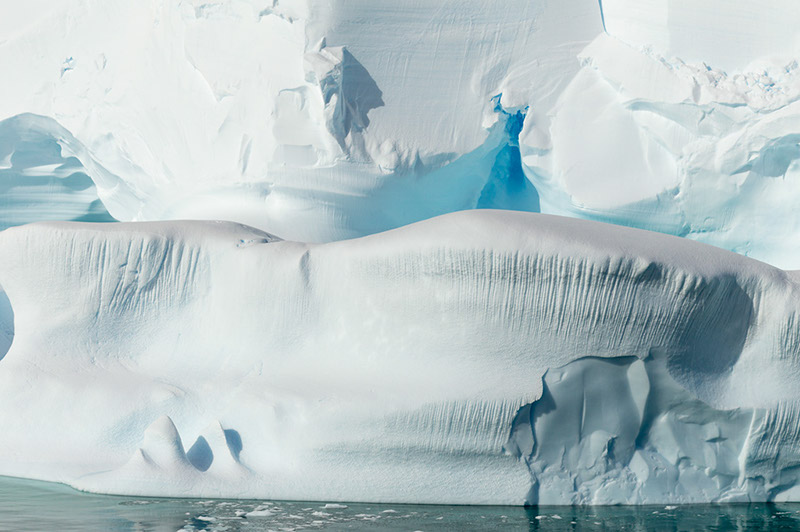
(481, 357)
(70, 511)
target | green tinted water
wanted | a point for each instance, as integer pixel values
(31, 505)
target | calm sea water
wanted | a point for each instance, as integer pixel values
(30, 505)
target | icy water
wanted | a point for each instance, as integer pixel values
(29, 505)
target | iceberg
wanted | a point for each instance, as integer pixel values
(684, 149)
(372, 322)
(482, 357)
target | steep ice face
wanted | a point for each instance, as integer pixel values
(443, 362)
(612, 431)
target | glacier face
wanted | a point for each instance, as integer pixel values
(443, 362)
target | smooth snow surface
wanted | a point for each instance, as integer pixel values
(480, 357)
(324, 120)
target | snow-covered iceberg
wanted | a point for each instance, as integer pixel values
(641, 139)
(479, 357)
(319, 121)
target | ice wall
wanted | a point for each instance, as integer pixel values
(400, 366)
(611, 431)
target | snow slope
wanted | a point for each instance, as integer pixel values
(480, 357)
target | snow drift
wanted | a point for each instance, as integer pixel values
(480, 357)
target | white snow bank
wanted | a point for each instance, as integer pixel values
(394, 367)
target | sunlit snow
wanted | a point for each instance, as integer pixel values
(347, 335)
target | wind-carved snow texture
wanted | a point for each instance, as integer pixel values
(491, 357)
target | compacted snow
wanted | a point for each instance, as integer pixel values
(480, 357)
(329, 350)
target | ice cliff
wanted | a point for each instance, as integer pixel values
(479, 357)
